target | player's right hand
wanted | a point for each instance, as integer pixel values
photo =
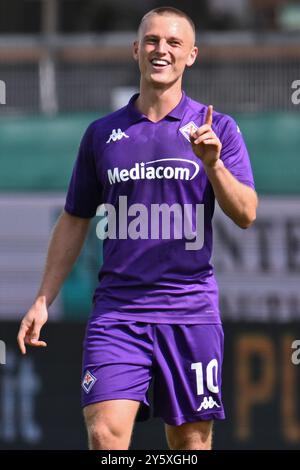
(30, 328)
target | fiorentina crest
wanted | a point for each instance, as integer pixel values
(88, 381)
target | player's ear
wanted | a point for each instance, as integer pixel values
(135, 48)
(192, 56)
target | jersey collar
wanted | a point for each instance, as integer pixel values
(176, 113)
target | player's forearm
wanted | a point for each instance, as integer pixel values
(64, 247)
(237, 200)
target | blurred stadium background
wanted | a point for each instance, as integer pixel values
(64, 63)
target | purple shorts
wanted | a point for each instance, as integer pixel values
(122, 357)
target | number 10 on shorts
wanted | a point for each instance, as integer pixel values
(211, 376)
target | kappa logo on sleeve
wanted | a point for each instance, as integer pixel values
(88, 381)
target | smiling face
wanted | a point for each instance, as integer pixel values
(165, 46)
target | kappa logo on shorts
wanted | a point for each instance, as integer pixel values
(208, 404)
(88, 381)
(186, 130)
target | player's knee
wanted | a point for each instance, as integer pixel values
(103, 432)
(102, 436)
(109, 424)
(190, 438)
(190, 443)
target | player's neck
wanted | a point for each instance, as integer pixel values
(157, 103)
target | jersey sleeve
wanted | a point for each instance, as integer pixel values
(234, 153)
(84, 192)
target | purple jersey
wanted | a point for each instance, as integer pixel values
(157, 252)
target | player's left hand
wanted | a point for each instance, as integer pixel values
(205, 143)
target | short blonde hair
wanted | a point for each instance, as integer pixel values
(168, 11)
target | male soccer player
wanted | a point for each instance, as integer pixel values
(158, 164)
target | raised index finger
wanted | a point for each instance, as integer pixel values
(208, 118)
